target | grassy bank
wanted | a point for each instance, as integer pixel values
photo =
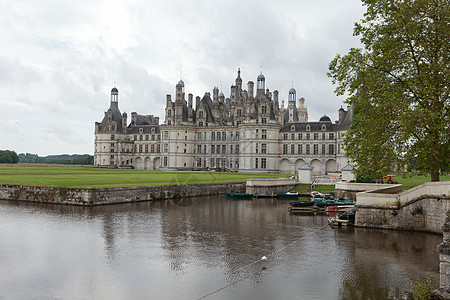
(90, 177)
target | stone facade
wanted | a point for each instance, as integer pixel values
(245, 132)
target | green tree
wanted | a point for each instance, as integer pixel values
(398, 86)
(8, 156)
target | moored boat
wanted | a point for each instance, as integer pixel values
(289, 195)
(334, 208)
(301, 203)
(239, 195)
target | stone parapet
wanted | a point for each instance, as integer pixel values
(270, 185)
(89, 197)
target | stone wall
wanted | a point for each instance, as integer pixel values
(427, 214)
(90, 197)
(422, 208)
(270, 185)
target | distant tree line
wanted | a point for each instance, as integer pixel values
(8, 157)
(64, 159)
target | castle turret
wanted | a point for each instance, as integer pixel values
(250, 86)
(239, 81)
(260, 85)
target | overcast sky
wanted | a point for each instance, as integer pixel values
(59, 59)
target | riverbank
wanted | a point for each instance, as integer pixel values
(104, 196)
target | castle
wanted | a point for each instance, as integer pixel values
(246, 132)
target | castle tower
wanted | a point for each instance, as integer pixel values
(302, 111)
(260, 85)
(291, 106)
(239, 81)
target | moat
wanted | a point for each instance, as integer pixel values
(208, 247)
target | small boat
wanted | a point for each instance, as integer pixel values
(334, 208)
(265, 195)
(343, 218)
(325, 203)
(289, 195)
(301, 203)
(239, 195)
(345, 201)
(318, 197)
(314, 193)
(328, 197)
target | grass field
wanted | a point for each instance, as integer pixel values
(90, 177)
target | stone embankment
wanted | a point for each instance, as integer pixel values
(422, 208)
(90, 197)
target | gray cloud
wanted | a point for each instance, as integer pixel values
(60, 60)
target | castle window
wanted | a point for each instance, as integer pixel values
(213, 136)
(292, 149)
(256, 163)
(331, 149)
(213, 149)
(200, 114)
(200, 124)
(224, 149)
(113, 127)
(231, 149)
(263, 148)
(166, 135)
(146, 149)
(237, 135)
(146, 137)
(263, 163)
(169, 122)
(141, 130)
(316, 136)
(140, 148)
(153, 137)
(292, 128)
(199, 136)
(308, 127)
(308, 136)
(323, 148)
(257, 135)
(239, 113)
(199, 149)
(308, 149)
(166, 147)
(153, 130)
(331, 136)
(264, 109)
(263, 120)
(113, 137)
(218, 149)
(256, 148)
(212, 162)
(285, 149)
(135, 148)
(158, 148)
(165, 161)
(292, 136)
(264, 134)
(300, 136)
(184, 150)
(237, 149)
(316, 149)
(135, 137)
(141, 137)
(204, 149)
(224, 136)
(199, 162)
(324, 127)
(169, 113)
(218, 136)
(152, 148)
(300, 149)
(285, 136)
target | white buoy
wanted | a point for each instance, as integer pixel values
(263, 258)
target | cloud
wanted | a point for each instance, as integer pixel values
(60, 59)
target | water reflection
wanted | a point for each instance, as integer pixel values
(198, 247)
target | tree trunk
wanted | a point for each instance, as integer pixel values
(434, 176)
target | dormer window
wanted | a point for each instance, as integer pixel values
(308, 128)
(141, 130)
(292, 128)
(324, 127)
(200, 114)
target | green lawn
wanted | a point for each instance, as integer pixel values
(90, 177)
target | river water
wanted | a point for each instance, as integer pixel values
(203, 248)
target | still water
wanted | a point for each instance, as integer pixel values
(203, 248)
